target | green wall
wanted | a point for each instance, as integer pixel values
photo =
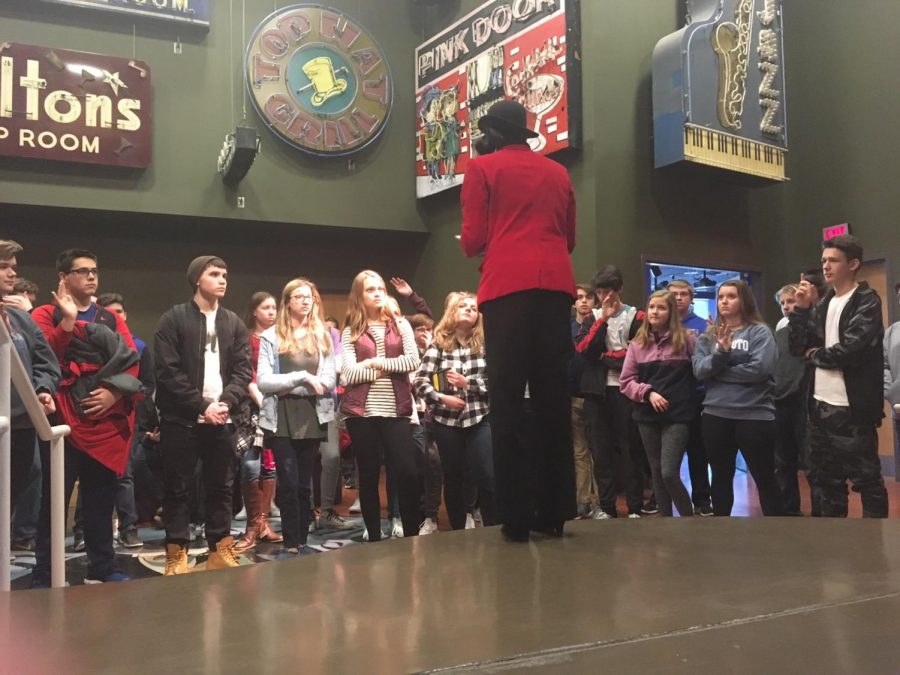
(842, 99)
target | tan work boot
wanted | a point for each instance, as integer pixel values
(223, 556)
(176, 560)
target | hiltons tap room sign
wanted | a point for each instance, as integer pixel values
(193, 12)
(57, 104)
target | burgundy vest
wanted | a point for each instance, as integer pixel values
(353, 402)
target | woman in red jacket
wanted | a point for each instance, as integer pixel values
(519, 214)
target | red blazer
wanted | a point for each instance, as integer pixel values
(519, 211)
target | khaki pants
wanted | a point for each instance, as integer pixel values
(585, 485)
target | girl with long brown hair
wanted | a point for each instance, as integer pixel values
(379, 350)
(735, 359)
(257, 465)
(657, 376)
(453, 376)
(296, 375)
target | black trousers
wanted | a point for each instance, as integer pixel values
(754, 438)
(22, 448)
(430, 468)
(97, 486)
(790, 441)
(840, 450)
(698, 464)
(294, 461)
(373, 437)
(528, 341)
(181, 449)
(617, 450)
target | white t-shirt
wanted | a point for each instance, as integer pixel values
(618, 327)
(212, 369)
(830, 387)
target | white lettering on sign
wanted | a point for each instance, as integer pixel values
(68, 142)
(61, 106)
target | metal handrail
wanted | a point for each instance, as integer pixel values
(13, 374)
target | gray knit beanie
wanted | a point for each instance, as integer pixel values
(198, 265)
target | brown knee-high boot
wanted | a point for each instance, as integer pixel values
(252, 501)
(267, 491)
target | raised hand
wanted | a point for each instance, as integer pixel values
(724, 336)
(66, 304)
(401, 286)
(803, 294)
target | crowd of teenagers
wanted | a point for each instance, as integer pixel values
(258, 401)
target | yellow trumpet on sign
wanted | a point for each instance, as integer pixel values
(324, 78)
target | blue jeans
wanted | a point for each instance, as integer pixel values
(460, 448)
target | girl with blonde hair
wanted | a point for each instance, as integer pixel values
(657, 375)
(379, 350)
(296, 375)
(453, 376)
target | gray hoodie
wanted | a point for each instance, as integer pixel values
(892, 365)
(739, 383)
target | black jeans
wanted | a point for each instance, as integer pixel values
(616, 449)
(294, 461)
(790, 441)
(23, 449)
(529, 342)
(840, 450)
(461, 448)
(698, 464)
(181, 449)
(430, 468)
(390, 436)
(97, 487)
(754, 438)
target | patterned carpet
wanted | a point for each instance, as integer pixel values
(150, 559)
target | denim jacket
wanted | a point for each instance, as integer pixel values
(272, 382)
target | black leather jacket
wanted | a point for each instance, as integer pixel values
(858, 355)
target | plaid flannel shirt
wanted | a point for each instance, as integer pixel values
(473, 367)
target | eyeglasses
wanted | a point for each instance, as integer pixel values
(86, 271)
(301, 297)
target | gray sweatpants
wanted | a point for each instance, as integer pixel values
(665, 446)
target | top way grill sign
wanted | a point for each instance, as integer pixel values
(525, 50)
(72, 106)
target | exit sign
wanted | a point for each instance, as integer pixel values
(833, 231)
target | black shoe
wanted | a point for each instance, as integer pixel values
(550, 529)
(704, 511)
(78, 541)
(130, 539)
(650, 507)
(514, 534)
(23, 544)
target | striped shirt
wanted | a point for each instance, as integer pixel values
(380, 402)
(471, 366)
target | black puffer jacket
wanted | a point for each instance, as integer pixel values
(858, 355)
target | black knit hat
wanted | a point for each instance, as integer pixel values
(507, 117)
(198, 265)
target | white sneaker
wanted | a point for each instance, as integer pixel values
(365, 536)
(634, 515)
(470, 522)
(396, 528)
(313, 521)
(428, 526)
(600, 514)
(242, 514)
(477, 516)
(354, 507)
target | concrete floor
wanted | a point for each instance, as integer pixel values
(656, 595)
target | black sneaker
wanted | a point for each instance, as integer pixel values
(650, 507)
(114, 576)
(78, 541)
(130, 539)
(704, 511)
